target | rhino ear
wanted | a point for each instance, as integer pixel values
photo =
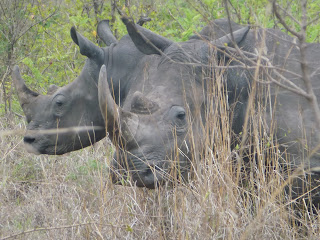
(105, 33)
(146, 41)
(143, 20)
(226, 41)
(142, 105)
(52, 89)
(87, 48)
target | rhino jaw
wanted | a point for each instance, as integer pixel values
(37, 143)
(30, 148)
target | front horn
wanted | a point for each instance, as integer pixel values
(117, 120)
(25, 95)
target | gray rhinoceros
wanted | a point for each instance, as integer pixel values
(76, 105)
(160, 106)
(74, 108)
(162, 117)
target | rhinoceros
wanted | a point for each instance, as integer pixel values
(162, 117)
(74, 108)
(76, 105)
(160, 107)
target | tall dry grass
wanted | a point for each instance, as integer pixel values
(235, 190)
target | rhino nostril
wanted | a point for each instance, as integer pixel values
(28, 139)
(150, 170)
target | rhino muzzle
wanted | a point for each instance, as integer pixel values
(151, 177)
(142, 172)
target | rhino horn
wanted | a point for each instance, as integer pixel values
(146, 41)
(116, 119)
(104, 32)
(226, 40)
(24, 93)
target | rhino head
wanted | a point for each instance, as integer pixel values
(68, 118)
(63, 108)
(160, 121)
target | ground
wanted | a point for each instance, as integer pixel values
(71, 197)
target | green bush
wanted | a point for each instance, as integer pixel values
(47, 54)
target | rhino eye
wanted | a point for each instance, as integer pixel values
(58, 105)
(59, 100)
(181, 115)
(177, 115)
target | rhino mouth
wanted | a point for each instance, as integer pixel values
(31, 149)
(45, 145)
(62, 140)
(151, 177)
(40, 148)
(146, 171)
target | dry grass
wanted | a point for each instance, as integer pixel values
(235, 191)
(71, 197)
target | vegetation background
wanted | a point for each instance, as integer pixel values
(70, 196)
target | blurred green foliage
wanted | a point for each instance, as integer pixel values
(36, 34)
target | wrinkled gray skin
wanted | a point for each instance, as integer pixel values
(166, 100)
(76, 104)
(154, 121)
(159, 98)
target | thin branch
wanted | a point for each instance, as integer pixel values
(24, 32)
(5, 75)
(3, 11)
(235, 10)
(288, 14)
(303, 58)
(57, 228)
(275, 10)
(173, 17)
(304, 66)
(314, 20)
